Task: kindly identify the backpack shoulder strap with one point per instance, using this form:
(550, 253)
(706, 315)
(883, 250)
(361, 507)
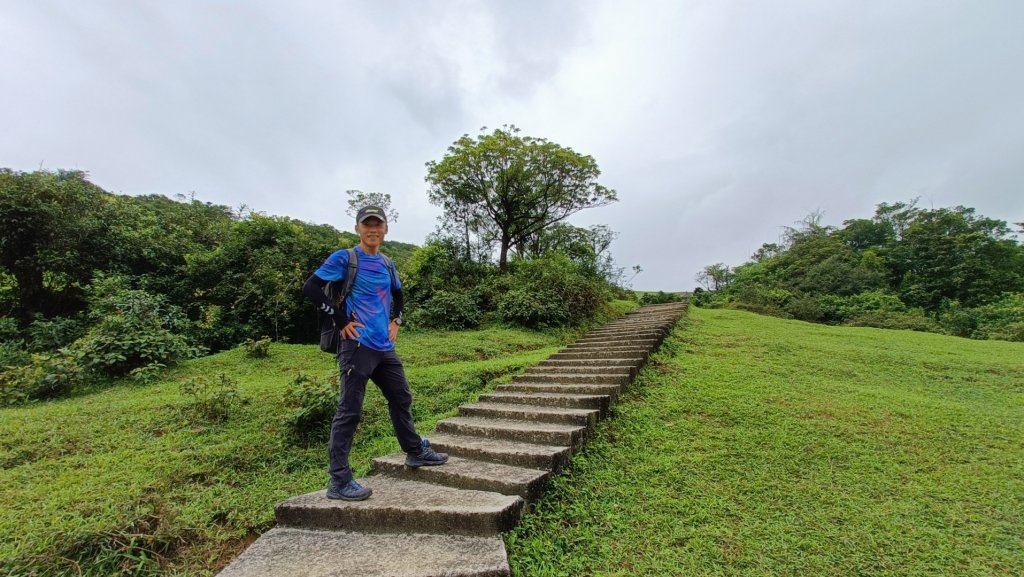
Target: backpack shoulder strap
(350, 274)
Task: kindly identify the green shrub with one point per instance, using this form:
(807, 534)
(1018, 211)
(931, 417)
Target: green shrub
(551, 291)
(210, 400)
(147, 374)
(912, 320)
(313, 403)
(805, 308)
(258, 349)
(46, 376)
(132, 329)
(660, 297)
(532, 309)
(51, 334)
(449, 310)
(8, 329)
(1002, 319)
(13, 354)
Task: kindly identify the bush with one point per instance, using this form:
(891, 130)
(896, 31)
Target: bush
(51, 334)
(313, 403)
(532, 309)
(660, 297)
(1002, 319)
(912, 320)
(132, 329)
(13, 354)
(211, 400)
(551, 291)
(46, 376)
(449, 310)
(259, 349)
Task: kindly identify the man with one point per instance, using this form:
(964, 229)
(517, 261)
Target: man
(369, 325)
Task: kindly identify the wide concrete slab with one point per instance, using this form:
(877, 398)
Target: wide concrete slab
(465, 473)
(287, 552)
(512, 430)
(584, 389)
(599, 402)
(398, 505)
(520, 454)
(533, 413)
(619, 379)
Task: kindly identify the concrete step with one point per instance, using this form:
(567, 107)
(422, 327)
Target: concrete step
(401, 506)
(590, 369)
(611, 343)
(622, 379)
(548, 457)
(641, 329)
(513, 430)
(634, 363)
(567, 400)
(519, 412)
(620, 336)
(288, 552)
(463, 473)
(560, 388)
(636, 354)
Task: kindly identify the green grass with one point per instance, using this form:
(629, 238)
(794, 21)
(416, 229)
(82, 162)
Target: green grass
(121, 481)
(760, 446)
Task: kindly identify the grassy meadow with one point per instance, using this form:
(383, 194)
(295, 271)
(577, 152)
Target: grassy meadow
(760, 446)
(123, 481)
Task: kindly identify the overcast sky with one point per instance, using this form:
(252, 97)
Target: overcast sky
(717, 122)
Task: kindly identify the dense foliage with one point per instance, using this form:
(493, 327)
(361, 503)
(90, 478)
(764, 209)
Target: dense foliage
(941, 270)
(97, 284)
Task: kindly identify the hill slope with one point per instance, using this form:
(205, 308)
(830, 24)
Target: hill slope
(760, 446)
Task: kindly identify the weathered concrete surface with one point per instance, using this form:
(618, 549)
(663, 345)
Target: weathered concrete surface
(620, 379)
(584, 389)
(634, 363)
(404, 506)
(599, 402)
(589, 369)
(540, 433)
(520, 454)
(286, 552)
(469, 474)
(540, 414)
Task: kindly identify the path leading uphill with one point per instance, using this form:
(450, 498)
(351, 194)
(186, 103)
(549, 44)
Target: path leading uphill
(448, 520)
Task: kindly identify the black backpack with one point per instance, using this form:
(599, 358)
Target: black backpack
(330, 340)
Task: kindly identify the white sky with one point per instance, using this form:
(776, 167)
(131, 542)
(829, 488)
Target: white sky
(717, 122)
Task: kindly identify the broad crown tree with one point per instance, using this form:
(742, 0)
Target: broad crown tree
(513, 186)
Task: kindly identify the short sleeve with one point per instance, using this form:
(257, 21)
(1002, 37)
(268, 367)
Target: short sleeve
(335, 267)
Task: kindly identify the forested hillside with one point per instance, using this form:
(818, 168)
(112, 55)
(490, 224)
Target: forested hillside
(947, 270)
(96, 285)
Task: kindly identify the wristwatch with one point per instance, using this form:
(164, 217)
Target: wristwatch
(397, 321)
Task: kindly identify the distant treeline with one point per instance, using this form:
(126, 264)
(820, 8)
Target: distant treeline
(945, 270)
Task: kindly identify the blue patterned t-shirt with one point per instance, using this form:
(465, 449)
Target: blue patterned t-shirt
(370, 300)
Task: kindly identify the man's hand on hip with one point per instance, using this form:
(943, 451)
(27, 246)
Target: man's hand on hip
(393, 331)
(349, 331)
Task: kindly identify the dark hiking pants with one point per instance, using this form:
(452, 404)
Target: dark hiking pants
(359, 363)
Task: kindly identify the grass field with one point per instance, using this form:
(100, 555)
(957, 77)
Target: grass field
(760, 446)
(121, 481)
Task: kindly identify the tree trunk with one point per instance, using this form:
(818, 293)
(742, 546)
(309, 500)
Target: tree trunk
(503, 258)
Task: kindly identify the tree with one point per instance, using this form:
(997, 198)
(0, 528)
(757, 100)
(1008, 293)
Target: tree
(519, 184)
(715, 276)
(358, 199)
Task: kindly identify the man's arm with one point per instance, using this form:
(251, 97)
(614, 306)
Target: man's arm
(314, 291)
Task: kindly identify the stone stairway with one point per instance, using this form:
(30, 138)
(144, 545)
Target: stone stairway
(448, 520)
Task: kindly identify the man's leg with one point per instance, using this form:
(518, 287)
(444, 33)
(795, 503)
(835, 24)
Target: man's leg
(354, 372)
(389, 376)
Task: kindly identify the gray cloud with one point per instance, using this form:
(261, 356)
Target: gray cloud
(718, 123)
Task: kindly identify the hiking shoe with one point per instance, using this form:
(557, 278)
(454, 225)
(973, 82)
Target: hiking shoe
(350, 491)
(425, 456)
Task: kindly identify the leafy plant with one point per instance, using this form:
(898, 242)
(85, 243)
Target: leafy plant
(313, 403)
(258, 349)
(46, 376)
(211, 399)
(449, 310)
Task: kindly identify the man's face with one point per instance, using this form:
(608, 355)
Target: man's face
(371, 231)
